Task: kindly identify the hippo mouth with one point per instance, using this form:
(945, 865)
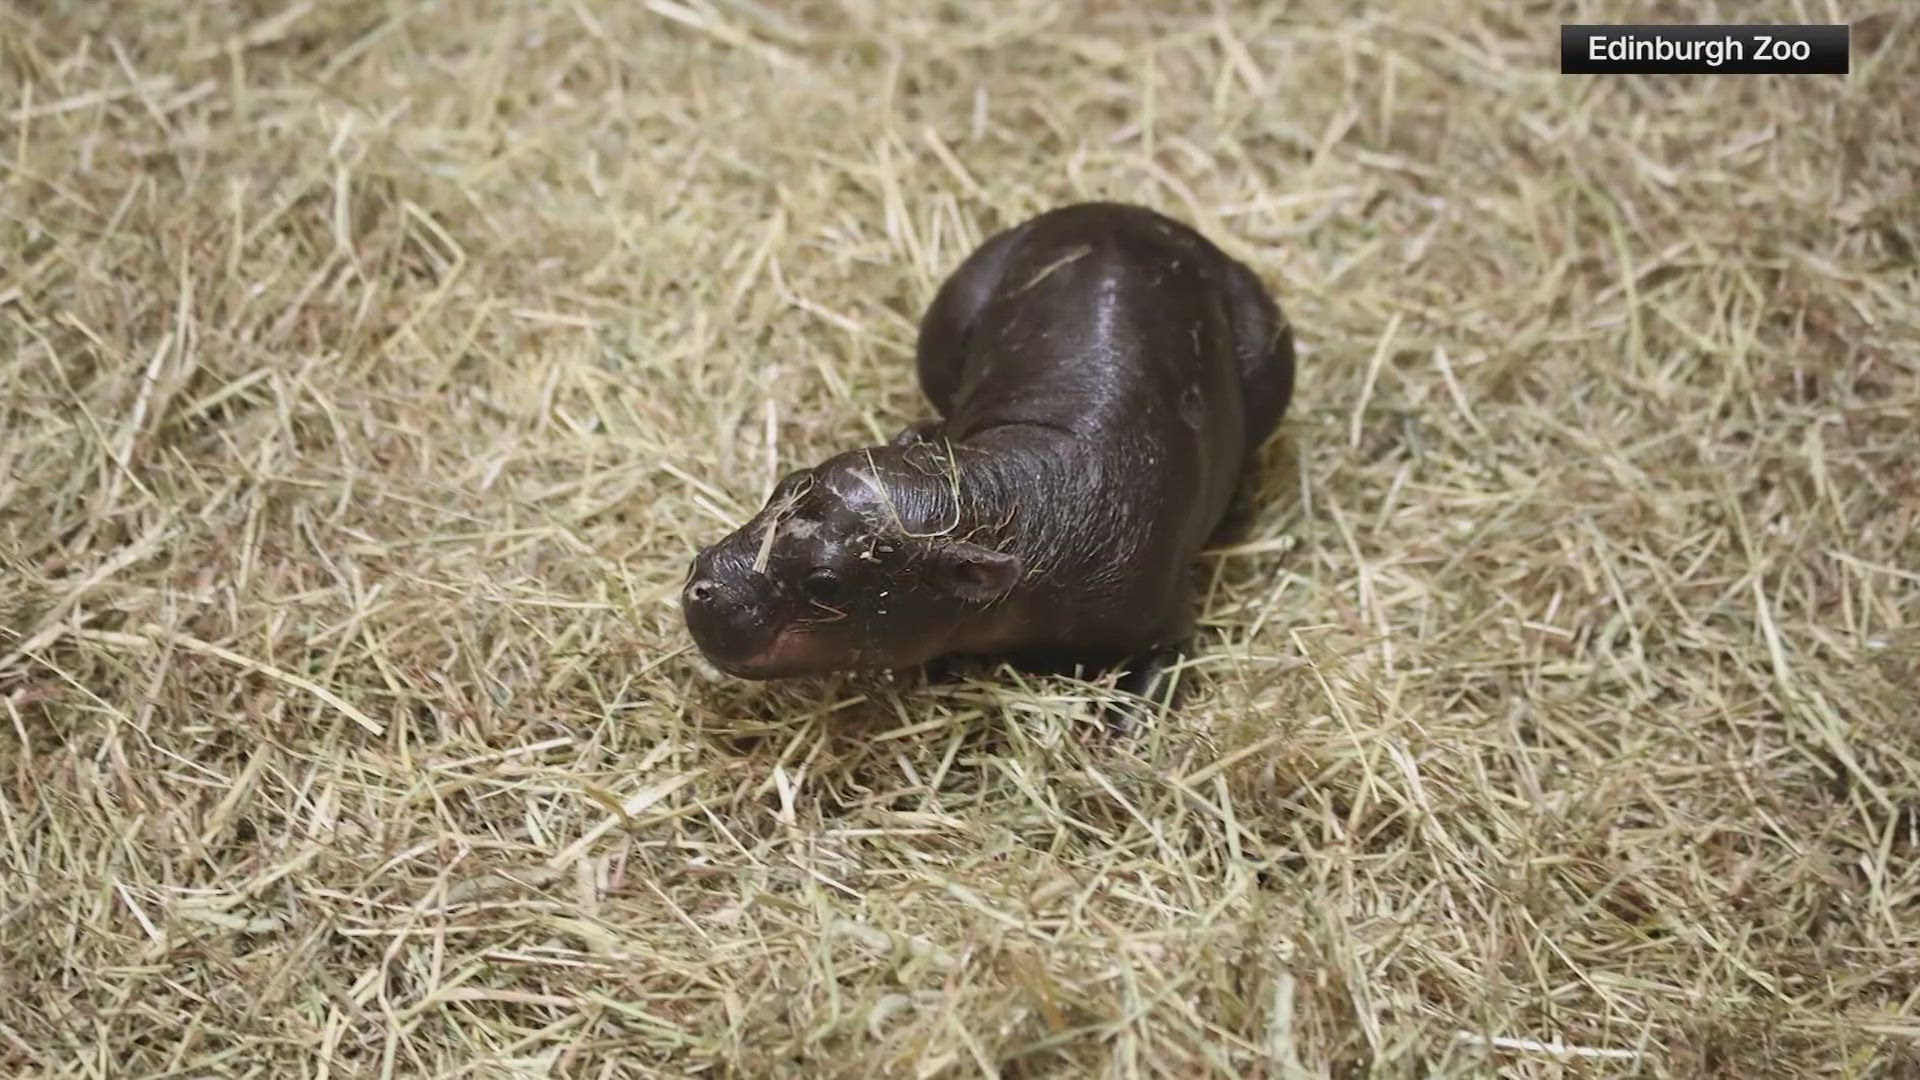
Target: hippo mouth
(792, 652)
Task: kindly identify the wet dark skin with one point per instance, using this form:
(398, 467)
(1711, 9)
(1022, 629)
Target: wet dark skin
(1102, 375)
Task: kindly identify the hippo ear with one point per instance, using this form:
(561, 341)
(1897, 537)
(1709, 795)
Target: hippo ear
(972, 572)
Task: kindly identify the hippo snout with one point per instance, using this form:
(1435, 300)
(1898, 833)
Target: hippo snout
(726, 615)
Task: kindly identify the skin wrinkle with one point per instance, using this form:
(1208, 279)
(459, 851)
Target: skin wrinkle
(1033, 481)
(1010, 489)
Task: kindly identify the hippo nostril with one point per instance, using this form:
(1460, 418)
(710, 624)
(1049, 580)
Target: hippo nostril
(700, 591)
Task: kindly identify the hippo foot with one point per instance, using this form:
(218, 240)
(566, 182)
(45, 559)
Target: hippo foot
(1153, 688)
(942, 670)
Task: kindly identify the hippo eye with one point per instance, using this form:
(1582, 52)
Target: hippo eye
(822, 584)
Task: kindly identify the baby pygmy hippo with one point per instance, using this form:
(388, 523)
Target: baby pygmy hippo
(1103, 373)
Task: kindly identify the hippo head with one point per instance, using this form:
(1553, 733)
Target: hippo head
(858, 563)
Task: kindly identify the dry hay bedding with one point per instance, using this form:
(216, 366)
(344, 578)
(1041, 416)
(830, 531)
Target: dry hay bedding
(371, 369)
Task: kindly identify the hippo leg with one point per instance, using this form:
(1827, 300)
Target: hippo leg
(1263, 348)
(1149, 678)
(946, 330)
(1148, 681)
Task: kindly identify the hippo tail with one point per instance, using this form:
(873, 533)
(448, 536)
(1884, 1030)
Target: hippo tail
(1263, 346)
